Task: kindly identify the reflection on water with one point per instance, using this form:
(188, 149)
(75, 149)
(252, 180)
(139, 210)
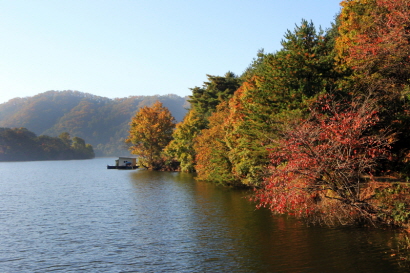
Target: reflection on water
(77, 216)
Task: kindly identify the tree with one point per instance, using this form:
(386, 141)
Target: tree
(66, 138)
(81, 149)
(374, 40)
(21, 144)
(212, 162)
(218, 89)
(18, 144)
(150, 132)
(181, 148)
(317, 169)
(54, 148)
(204, 101)
(280, 89)
(374, 44)
(247, 128)
(276, 88)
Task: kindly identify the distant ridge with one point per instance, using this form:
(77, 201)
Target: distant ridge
(100, 120)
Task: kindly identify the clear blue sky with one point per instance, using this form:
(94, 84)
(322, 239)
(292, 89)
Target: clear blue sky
(121, 48)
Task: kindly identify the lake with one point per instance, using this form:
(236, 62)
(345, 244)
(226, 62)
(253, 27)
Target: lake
(77, 216)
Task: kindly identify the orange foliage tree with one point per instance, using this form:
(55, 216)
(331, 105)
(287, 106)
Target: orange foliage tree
(212, 162)
(150, 132)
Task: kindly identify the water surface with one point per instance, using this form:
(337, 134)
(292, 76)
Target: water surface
(73, 216)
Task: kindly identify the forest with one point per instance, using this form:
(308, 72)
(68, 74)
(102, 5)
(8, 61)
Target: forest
(20, 144)
(103, 122)
(318, 129)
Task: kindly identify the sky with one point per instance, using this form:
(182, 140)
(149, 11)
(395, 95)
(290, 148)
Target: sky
(121, 48)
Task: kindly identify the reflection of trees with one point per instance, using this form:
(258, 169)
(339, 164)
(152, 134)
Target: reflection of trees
(217, 226)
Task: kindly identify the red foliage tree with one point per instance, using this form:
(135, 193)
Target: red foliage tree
(374, 42)
(374, 39)
(318, 166)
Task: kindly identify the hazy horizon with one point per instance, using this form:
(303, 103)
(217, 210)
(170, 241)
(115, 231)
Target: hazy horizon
(142, 95)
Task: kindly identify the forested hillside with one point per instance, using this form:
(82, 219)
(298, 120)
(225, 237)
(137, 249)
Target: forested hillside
(20, 144)
(103, 122)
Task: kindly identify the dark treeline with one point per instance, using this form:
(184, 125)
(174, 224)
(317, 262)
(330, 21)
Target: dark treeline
(20, 144)
(313, 126)
(103, 122)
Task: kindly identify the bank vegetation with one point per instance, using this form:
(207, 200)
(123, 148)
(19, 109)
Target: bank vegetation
(319, 129)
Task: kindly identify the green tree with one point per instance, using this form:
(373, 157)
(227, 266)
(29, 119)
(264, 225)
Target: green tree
(54, 148)
(205, 99)
(78, 143)
(81, 149)
(66, 138)
(18, 144)
(181, 148)
(150, 132)
(278, 88)
(21, 144)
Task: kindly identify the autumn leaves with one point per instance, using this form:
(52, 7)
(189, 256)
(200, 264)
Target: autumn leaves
(304, 125)
(150, 132)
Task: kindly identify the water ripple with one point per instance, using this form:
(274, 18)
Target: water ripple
(73, 216)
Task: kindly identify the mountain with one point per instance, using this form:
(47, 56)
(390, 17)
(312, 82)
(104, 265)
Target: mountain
(103, 122)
